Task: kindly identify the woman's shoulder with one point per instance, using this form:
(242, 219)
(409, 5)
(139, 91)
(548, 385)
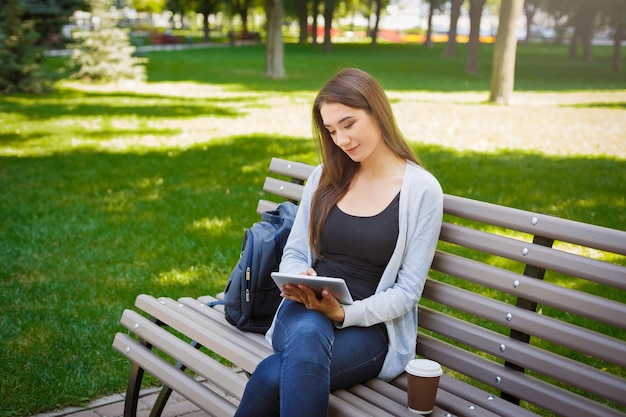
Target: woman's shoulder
(418, 174)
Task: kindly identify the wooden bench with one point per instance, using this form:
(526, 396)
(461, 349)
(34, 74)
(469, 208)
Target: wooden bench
(526, 312)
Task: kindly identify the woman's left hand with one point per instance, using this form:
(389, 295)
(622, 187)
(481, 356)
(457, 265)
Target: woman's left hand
(327, 305)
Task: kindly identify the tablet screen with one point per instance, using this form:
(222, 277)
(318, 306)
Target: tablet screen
(337, 286)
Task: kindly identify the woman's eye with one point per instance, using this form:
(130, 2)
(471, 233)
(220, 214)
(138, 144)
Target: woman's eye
(331, 132)
(348, 126)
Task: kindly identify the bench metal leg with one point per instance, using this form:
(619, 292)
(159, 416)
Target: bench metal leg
(132, 391)
(165, 393)
(537, 273)
(134, 383)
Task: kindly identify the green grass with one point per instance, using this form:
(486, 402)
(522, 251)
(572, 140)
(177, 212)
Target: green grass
(98, 205)
(397, 67)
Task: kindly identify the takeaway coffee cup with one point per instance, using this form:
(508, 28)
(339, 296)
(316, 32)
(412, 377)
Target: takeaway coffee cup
(423, 381)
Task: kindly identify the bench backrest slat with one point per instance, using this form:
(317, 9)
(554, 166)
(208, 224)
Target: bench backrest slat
(537, 224)
(519, 384)
(284, 189)
(514, 351)
(296, 170)
(565, 334)
(537, 255)
(577, 302)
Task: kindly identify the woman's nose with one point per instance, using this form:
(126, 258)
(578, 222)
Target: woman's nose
(341, 138)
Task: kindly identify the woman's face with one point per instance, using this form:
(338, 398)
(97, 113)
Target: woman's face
(355, 131)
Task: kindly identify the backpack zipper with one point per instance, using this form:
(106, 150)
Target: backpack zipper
(247, 284)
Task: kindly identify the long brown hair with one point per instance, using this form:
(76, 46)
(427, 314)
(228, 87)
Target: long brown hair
(359, 90)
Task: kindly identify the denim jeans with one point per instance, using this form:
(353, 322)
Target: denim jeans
(311, 358)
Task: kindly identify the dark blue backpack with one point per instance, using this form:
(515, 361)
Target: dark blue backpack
(251, 297)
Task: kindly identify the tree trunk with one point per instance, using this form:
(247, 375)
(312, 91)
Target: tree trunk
(503, 71)
(428, 42)
(617, 45)
(573, 43)
(329, 9)
(316, 13)
(451, 45)
(303, 19)
(472, 59)
(379, 6)
(274, 55)
(205, 27)
(586, 38)
(529, 11)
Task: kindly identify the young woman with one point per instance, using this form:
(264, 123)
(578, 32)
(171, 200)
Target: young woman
(371, 215)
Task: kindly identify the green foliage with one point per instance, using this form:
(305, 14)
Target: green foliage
(20, 69)
(105, 53)
(48, 17)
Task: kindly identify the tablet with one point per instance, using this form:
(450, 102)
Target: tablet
(337, 286)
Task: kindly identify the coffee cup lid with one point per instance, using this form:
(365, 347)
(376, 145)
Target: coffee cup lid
(424, 367)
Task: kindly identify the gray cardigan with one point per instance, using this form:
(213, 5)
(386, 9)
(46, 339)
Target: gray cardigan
(400, 287)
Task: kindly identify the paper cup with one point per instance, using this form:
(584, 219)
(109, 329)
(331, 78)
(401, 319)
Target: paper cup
(423, 381)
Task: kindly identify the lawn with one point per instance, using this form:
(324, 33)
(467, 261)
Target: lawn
(108, 193)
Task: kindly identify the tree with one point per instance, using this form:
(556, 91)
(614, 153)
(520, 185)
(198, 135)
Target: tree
(615, 16)
(503, 71)
(274, 55)
(20, 57)
(47, 16)
(451, 45)
(301, 6)
(530, 9)
(241, 8)
(329, 10)
(374, 31)
(432, 6)
(203, 7)
(472, 59)
(315, 13)
(105, 52)
(584, 23)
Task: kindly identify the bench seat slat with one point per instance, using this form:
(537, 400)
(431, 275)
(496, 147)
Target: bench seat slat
(537, 224)
(559, 332)
(527, 356)
(538, 255)
(203, 331)
(577, 302)
(513, 382)
(184, 353)
(446, 400)
(364, 406)
(486, 400)
(209, 401)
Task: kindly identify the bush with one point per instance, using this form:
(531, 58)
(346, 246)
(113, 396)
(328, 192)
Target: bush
(105, 53)
(20, 58)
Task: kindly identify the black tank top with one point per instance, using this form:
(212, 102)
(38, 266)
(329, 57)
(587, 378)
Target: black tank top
(359, 248)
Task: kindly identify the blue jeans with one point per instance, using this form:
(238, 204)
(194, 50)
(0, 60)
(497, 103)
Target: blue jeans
(311, 358)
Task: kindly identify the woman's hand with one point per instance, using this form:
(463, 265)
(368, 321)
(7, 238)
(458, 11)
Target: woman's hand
(327, 305)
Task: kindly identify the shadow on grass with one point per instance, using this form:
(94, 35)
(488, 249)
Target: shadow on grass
(69, 102)
(610, 105)
(84, 232)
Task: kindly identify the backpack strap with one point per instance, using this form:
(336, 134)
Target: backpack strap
(215, 303)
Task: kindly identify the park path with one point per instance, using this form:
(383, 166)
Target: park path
(565, 124)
